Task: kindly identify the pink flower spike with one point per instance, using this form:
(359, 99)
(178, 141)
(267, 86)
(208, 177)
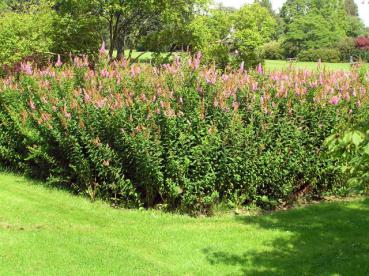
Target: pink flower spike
(197, 61)
(242, 66)
(225, 77)
(260, 69)
(104, 73)
(102, 49)
(335, 100)
(32, 105)
(58, 62)
(26, 68)
(133, 71)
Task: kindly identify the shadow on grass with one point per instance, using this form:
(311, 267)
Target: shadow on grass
(326, 239)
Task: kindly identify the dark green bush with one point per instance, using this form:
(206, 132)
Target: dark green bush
(24, 36)
(352, 146)
(326, 55)
(273, 50)
(361, 55)
(346, 47)
(41, 32)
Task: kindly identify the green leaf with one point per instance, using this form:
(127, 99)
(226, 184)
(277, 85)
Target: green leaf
(366, 149)
(357, 138)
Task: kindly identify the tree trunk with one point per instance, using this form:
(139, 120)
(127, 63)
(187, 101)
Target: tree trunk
(113, 34)
(120, 48)
(111, 47)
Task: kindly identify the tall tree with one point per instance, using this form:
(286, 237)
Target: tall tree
(129, 20)
(221, 7)
(254, 26)
(76, 27)
(310, 32)
(24, 33)
(330, 9)
(318, 23)
(355, 26)
(351, 8)
(266, 4)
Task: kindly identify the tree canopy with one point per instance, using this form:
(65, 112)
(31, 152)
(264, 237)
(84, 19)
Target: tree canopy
(224, 35)
(312, 24)
(129, 20)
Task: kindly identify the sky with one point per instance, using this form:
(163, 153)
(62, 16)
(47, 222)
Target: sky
(363, 8)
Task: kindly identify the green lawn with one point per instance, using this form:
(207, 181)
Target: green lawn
(143, 56)
(271, 65)
(49, 232)
(277, 65)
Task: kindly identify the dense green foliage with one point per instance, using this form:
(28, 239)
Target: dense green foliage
(183, 136)
(136, 23)
(310, 32)
(351, 8)
(76, 30)
(225, 36)
(48, 232)
(211, 36)
(323, 54)
(353, 146)
(350, 49)
(273, 50)
(43, 29)
(315, 24)
(254, 26)
(231, 37)
(39, 30)
(24, 36)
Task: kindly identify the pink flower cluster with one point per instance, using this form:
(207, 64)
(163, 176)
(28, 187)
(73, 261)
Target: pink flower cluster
(163, 90)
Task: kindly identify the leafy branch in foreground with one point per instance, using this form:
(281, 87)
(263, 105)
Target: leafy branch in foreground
(353, 148)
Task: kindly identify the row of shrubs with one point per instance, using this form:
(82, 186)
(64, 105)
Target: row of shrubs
(348, 49)
(181, 136)
(334, 55)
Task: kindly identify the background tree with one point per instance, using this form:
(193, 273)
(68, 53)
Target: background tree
(211, 34)
(76, 28)
(312, 24)
(280, 22)
(355, 26)
(254, 26)
(172, 32)
(25, 33)
(266, 4)
(351, 8)
(292, 9)
(310, 32)
(221, 7)
(130, 20)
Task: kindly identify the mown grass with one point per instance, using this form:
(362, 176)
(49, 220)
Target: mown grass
(271, 65)
(142, 56)
(277, 65)
(49, 232)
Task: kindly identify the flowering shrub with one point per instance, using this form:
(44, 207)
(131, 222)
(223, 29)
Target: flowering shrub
(180, 135)
(362, 42)
(361, 51)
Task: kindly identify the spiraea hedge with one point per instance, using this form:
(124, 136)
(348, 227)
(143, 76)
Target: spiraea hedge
(182, 136)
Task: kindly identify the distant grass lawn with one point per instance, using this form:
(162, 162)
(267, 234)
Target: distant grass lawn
(270, 65)
(143, 56)
(49, 232)
(276, 65)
